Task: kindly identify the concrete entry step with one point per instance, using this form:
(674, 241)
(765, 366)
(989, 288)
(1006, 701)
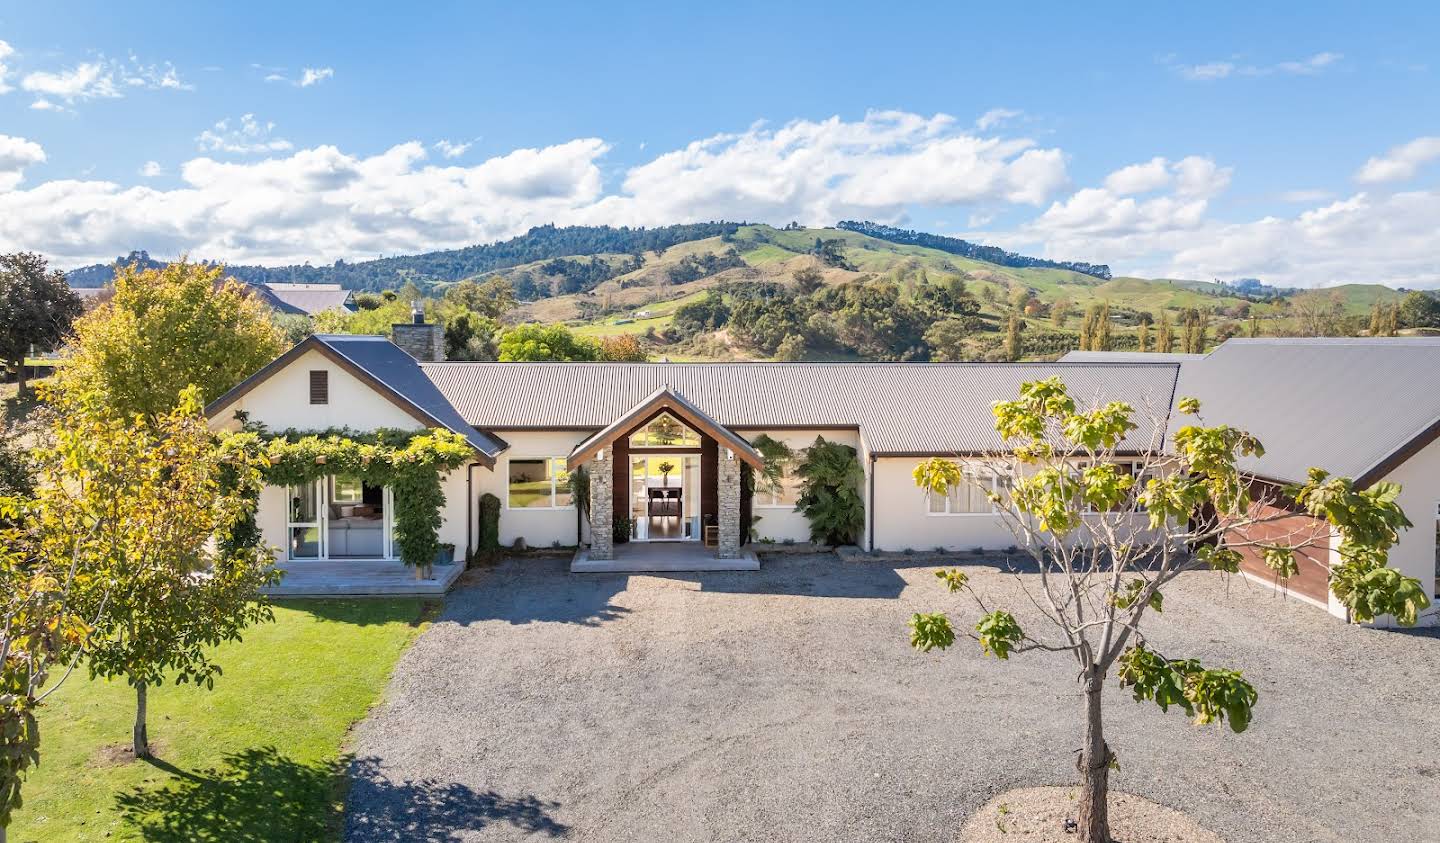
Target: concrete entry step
(661, 557)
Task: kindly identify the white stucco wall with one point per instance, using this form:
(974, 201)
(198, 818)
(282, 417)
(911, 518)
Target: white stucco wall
(902, 522)
(539, 527)
(783, 523)
(1414, 555)
(283, 402)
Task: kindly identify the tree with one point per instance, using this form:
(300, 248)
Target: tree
(623, 348)
(1164, 335)
(166, 329)
(470, 336)
(1318, 314)
(1060, 312)
(1109, 534)
(791, 349)
(1384, 319)
(534, 343)
(491, 298)
(37, 308)
(151, 512)
(1101, 339)
(947, 340)
(1014, 344)
(830, 479)
(1142, 337)
(1419, 310)
(807, 280)
(39, 632)
(1019, 298)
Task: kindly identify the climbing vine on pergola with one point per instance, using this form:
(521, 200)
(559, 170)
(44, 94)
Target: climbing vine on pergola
(409, 462)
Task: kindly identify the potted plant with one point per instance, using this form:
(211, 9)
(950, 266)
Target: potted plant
(666, 468)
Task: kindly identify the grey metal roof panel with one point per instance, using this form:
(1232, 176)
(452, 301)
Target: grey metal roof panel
(387, 363)
(900, 407)
(307, 301)
(1344, 405)
(1127, 357)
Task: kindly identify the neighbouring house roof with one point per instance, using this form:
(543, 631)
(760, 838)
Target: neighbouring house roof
(1355, 407)
(307, 299)
(391, 372)
(667, 399)
(899, 408)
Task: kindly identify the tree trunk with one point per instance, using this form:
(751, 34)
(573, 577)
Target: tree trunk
(19, 366)
(2, 834)
(1094, 766)
(142, 741)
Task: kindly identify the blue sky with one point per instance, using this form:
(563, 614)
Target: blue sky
(1223, 140)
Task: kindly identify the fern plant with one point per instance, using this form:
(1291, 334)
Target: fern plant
(830, 479)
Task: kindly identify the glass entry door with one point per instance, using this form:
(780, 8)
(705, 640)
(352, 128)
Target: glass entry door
(665, 497)
(340, 518)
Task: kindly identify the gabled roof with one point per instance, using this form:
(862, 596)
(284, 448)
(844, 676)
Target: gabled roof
(392, 373)
(1355, 407)
(288, 299)
(901, 408)
(667, 399)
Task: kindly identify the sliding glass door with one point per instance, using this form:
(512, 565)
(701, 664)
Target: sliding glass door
(340, 517)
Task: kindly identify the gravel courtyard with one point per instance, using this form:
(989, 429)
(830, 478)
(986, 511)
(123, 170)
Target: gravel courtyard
(787, 705)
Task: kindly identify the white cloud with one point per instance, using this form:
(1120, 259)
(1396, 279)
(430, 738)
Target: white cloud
(1400, 163)
(1139, 178)
(996, 117)
(15, 155)
(321, 204)
(1306, 195)
(6, 51)
(99, 79)
(151, 169)
(250, 136)
(1224, 69)
(452, 150)
(313, 75)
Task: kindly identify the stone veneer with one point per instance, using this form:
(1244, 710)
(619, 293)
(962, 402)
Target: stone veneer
(602, 506)
(729, 505)
(425, 342)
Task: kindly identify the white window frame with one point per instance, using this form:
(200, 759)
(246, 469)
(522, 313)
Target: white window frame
(549, 463)
(969, 476)
(319, 524)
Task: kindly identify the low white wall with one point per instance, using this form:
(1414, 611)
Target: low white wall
(539, 527)
(1414, 555)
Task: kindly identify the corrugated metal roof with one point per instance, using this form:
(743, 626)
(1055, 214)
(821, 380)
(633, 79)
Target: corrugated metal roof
(899, 407)
(387, 363)
(1341, 404)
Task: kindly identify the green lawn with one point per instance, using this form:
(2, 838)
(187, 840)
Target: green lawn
(258, 758)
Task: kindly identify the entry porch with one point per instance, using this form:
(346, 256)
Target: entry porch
(662, 557)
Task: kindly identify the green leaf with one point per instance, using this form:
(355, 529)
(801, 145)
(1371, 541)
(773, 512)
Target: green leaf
(999, 634)
(928, 631)
(954, 578)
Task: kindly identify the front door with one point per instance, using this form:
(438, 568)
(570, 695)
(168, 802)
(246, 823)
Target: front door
(664, 496)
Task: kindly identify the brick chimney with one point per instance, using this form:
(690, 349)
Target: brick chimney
(419, 339)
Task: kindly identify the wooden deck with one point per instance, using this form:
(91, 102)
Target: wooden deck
(661, 557)
(359, 578)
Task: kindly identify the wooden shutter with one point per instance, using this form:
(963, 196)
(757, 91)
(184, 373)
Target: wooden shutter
(319, 387)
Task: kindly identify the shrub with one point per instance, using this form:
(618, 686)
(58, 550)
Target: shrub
(489, 523)
(830, 492)
(623, 526)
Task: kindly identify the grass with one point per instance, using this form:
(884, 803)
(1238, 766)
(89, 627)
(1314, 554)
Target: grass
(260, 757)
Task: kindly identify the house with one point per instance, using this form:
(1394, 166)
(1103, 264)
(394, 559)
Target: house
(664, 443)
(307, 299)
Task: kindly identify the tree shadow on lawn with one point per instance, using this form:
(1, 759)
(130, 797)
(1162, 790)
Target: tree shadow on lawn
(259, 795)
(365, 611)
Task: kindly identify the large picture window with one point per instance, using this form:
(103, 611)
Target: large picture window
(539, 483)
(968, 497)
(339, 517)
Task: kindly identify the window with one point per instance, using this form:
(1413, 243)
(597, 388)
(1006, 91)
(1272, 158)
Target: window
(782, 498)
(968, 497)
(304, 521)
(665, 431)
(319, 387)
(539, 483)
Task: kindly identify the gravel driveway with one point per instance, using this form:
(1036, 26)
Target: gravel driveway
(787, 705)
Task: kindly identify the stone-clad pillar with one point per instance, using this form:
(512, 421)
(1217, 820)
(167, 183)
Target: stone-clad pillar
(728, 501)
(602, 507)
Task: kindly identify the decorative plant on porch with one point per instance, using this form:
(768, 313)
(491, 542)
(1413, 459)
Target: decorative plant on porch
(830, 478)
(1107, 547)
(410, 462)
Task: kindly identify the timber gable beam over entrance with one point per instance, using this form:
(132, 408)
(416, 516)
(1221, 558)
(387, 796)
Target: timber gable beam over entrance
(666, 399)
